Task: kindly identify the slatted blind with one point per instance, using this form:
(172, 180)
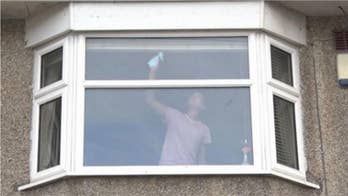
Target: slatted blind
(285, 130)
(281, 65)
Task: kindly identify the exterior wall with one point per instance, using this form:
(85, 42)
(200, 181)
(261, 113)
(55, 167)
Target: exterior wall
(328, 121)
(326, 126)
(16, 99)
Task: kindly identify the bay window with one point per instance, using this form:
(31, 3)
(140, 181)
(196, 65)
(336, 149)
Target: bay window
(167, 104)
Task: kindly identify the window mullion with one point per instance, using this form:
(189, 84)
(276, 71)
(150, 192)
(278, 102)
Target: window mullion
(78, 134)
(265, 114)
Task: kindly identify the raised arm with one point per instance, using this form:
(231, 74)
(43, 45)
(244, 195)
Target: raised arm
(151, 97)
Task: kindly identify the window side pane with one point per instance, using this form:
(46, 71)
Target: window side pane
(49, 134)
(176, 58)
(51, 67)
(285, 130)
(281, 65)
(123, 127)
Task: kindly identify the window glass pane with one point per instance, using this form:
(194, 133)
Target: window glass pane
(167, 127)
(176, 58)
(281, 65)
(285, 129)
(49, 134)
(51, 67)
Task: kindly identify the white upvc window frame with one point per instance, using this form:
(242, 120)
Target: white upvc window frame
(292, 94)
(260, 83)
(44, 95)
(119, 84)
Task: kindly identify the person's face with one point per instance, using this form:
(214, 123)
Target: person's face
(196, 101)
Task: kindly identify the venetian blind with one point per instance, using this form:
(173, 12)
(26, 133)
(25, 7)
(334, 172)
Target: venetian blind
(285, 130)
(281, 65)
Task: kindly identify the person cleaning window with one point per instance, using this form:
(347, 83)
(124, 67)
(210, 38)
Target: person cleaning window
(186, 136)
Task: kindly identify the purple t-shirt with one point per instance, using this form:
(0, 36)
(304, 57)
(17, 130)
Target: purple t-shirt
(184, 139)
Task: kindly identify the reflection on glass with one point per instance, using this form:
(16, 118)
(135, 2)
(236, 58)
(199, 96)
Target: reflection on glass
(181, 58)
(49, 134)
(186, 126)
(51, 67)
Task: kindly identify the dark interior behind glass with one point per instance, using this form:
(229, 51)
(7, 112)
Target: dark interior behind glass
(49, 134)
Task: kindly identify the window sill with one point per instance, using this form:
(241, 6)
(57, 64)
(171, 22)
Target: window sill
(41, 182)
(62, 175)
(299, 181)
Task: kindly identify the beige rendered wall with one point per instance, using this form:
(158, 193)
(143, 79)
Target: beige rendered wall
(326, 131)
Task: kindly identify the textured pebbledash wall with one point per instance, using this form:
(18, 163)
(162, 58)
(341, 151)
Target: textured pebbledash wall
(325, 120)
(16, 99)
(332, 101)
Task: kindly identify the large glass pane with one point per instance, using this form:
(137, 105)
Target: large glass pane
(285, 130)
(176, 58)
(167, 127)
(51, 67)
(281, 65)
(49, 134)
